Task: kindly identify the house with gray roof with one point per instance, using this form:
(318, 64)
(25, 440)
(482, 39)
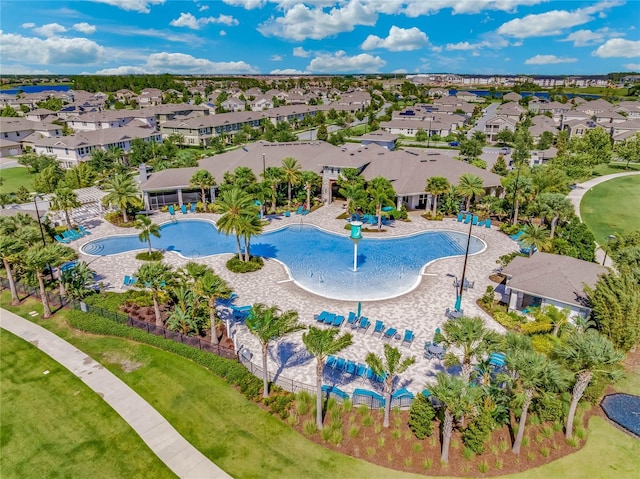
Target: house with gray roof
(546, 278)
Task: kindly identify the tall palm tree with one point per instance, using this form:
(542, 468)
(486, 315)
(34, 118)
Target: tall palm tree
(535, 236)
(470, 186)
(76, 281)
(380, 193)
(204, 180)
(310, 179)
(64, 199)
(233, 204)
(555, 206)
(291, 174)
(250, 225)
(535, 374)
(268, 324)
(273, 178)
(122, 191)
(471, 338)
(354, 194)
(457, 399)
(389, 368)
(147, 229)
(154, 275)
(519, 188)
(61, 256)
(10, 250)
(210, 286)
(322, 343)
(437, 185)
(587, 355)
(36, 259)
(556, 316)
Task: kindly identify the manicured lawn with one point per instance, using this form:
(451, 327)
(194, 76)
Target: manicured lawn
(14, 178)
(52, 425)
(611, 168)
(248, 442)
(612, 207)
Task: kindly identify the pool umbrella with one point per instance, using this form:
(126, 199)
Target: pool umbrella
(458, 302)
(359, 309)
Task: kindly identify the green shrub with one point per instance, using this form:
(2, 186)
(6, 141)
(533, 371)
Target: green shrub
(487, 297)
(236, 265)
(467, 453)
(140, 297)
(510, 229)
(115, 218)
(280, 404)
(544, 344)
(595, 389)
(548, 408)
(536, 327)
(310, 427)
(427, 464)
(109, 301)
(483, 467)
(146, 256)
(421, 414)
(508, 320)
(354, 431)
(477, 432)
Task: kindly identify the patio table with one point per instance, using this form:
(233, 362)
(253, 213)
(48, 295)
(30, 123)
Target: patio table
(435, 349)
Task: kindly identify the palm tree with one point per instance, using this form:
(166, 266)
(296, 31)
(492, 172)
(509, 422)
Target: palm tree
(586, 355)
(556, 316)
(65, 199)
(62, 255)
(471, 337)
(147, 229)
(154, 276)
(389, 368)
(322, 343)
(273, 178)
(121, 191)
(555, 206)
(354, 194)
(10, 249)
(535, 236)
(36, 259)
(250, 225)
(437, 185)
(535, 374)
(457, 399)
(291, 174)
(519, 188)
(210, 286)
(77, 279)
(233, 204)
(204, 180)
(470, 186)
(268, 324)
(310, 179)
(380, 192)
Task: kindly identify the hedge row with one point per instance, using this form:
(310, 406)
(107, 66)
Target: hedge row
(227, 369)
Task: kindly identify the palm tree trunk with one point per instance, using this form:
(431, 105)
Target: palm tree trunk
(124, 215)
(465, 373)
(149, 243)
(273, 201)
(12, 284)
(308, 197)
(379, 214)
(156, 307)
(582, 381)
(447, 427)
(46, 310)
(66, 214)
(467, 203)
(515, 213)
(523, 419)
(319, 368)
(247, 253)
(435, 205)
(239, 247)
(289, 194)
(204, 197)
(265, 372)
(554, 222)
(212, 319)
(387, 396)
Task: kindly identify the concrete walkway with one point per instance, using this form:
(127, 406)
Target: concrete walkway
(172, 449)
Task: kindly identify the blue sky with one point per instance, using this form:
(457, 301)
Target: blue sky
(543, 37)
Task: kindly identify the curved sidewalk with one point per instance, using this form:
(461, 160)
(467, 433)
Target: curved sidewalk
(165, 442)
(575, 196)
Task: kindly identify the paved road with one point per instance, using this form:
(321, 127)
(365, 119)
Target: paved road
(170, 447)
(488, 114)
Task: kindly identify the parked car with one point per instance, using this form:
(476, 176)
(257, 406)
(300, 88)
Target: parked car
(505, 151)
(453, 143)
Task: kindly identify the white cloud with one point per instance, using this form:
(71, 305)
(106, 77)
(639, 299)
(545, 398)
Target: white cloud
(247, 4)
(618, 47)
(301, 52)
(50, 51)
(492, 43)
(399, 39)
(181, 62)
(223, 33)
(463, 46)
(286, 71)
(632, 66)
(302, 22)
(548, 60)
(339, 62)
(276, 58)
(28, 25)
(400, 70)
(416, 8)
(583, 38)
(50, 30)
(141, 6)
(123, 70)
(22, 70)
(189, 21)
(85, 28)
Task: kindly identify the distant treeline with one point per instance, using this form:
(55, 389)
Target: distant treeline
(135, 83)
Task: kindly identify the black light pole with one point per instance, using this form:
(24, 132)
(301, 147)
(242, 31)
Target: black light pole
(429, 135)
(35, 202)
(263, 166)
(611, 237)
(515, 194)
(464, 267)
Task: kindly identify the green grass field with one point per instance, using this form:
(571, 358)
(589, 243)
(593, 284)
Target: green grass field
(14, 178)
(612, 207)
(52, 425)
(249, 443)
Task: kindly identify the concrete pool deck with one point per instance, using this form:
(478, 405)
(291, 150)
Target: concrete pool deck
(421, 310)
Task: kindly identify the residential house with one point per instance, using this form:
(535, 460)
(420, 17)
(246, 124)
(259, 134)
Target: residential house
(594, 107)
(578, 128)
(233, 104)
(540, 124)
(512, 96)
(150, 96)
(511, 110)
(623, 131)
(497, 124)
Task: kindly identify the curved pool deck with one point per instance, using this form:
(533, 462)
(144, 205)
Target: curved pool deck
(421, 309)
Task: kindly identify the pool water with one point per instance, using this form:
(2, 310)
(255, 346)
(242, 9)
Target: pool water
(317, 261)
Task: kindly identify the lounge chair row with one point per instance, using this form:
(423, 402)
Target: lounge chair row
(473, 219)
(131, 280)
(392, 333)
(301, 211)
(183, 208)
(70, 235)
(363, 324)
(353, 368)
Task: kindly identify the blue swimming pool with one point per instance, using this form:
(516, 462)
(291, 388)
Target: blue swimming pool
(318, 261)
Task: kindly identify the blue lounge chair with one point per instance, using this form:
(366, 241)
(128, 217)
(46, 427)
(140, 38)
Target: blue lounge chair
(127, 281)
(193, 208)
(83, 230)
(328, 319)
(305, 212)
(378, 328)
(467, 219)
(66, 235)
(516, 236)
(460, 217)
(172, 210)
(408, 337)
(487, 223)
(331, 362)
(183, 208)
(352, 319)
(287, 214)
(361, 370)
(299, 210)
(133, 280)
(75, 234)
(340, 364)
(320, 317)
(60, 239)
(475, 220)
(481, 223)
(337, 322)
(390, 333)
(365, 323)
(350, 367)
